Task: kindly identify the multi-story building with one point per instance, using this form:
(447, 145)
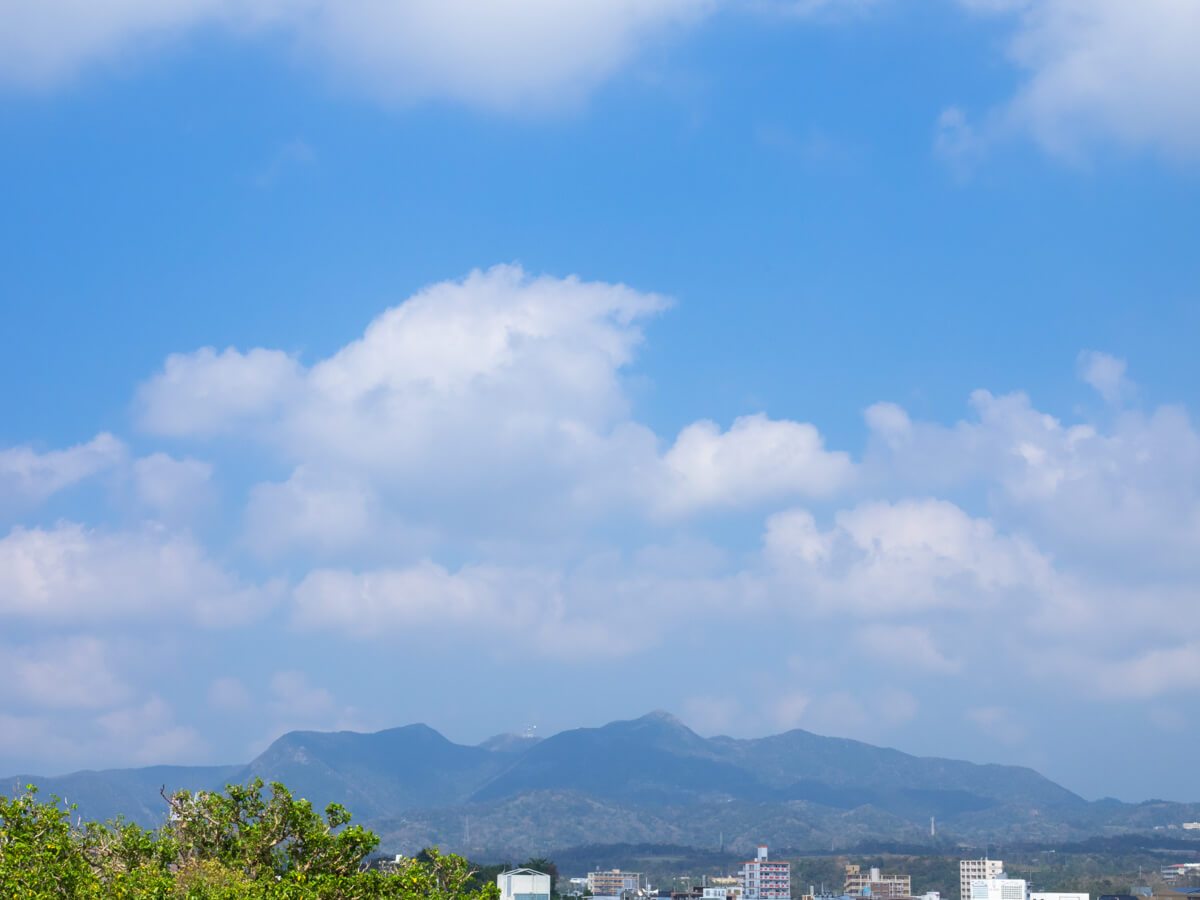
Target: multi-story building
(1179, 872)
(523, 884)
(763, 879)
(614, 883)
(1040, 895)
(974, 869)
(999, 889)
(875, 883)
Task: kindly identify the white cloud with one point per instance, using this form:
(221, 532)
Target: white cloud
(523, 359)
(71, 574)
(1170, 668)
(911, 645)
(149, 733)
(296, 704)
(170, 486)
(144, 732)
(1107, 71)
(205, 393)
(505, 54)
(1126, 497)
(1106, 374)
(476, 406)
(429, 598)
(309, 512)
(73, 672)
(29, 476)
(907, 557)
(756, 459)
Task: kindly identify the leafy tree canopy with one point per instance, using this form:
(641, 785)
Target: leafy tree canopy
(243, 844)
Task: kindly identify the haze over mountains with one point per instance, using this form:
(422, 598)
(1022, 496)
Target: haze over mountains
(651, 779)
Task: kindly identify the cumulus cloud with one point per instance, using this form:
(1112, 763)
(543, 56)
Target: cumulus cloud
(505, 54)
(71, 672)
(205, 393)
(70, 573)
(755, 459)
(29, 476)
(475, 405)
(1106, 374)
(1105, 71)
(528, 601)
(143, 732)
(310, 512)
(150, 732)
(523, 358)
(1125, 496)
(170, 486)
(907, 557)
(1164, 670)
(911, 645)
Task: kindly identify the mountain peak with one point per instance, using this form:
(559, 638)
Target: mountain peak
(661, 715)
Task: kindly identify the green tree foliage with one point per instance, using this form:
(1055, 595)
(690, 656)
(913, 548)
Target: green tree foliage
(243, 844)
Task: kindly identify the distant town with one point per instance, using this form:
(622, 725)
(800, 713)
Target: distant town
(764, 878)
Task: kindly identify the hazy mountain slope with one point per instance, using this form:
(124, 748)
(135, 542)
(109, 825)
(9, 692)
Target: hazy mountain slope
(133, 793)
(377, 774)
(650, 778)
(652, 760)
(846, 773)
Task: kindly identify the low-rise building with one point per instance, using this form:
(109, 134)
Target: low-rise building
(875, 883)
(614, 883)
(523, 884)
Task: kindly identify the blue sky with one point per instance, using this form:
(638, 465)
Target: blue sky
(781, 364)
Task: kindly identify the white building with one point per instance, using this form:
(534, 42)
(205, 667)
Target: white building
(763, 879)
(999, 889)
(974, 869)
(1038, 895)
(523, 884)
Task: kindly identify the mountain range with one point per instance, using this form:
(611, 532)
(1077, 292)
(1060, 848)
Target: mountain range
(650, 779)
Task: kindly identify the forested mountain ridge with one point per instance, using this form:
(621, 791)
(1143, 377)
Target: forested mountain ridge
(650, 778)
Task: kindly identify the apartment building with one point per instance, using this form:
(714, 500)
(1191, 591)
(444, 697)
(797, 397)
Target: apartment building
(974, 870)
(999, 889)
(614, 883)
(875, 883)
(764, 879)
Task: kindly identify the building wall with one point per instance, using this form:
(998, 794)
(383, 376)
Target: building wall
(517, 885)
(613, 882)
(879, 884)
(764, 880)
(973, 869)
(999, 889)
